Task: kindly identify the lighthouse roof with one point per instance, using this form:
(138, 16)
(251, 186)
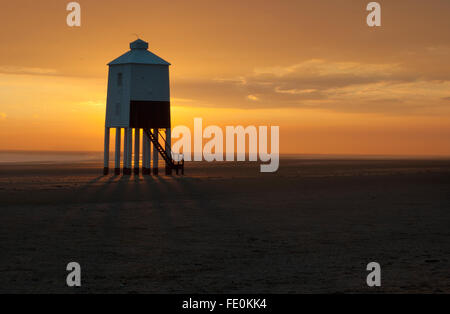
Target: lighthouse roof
(139, 54)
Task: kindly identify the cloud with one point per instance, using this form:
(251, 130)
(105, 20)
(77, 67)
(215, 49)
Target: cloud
(439, 50)
(316, 83)
(27, 70)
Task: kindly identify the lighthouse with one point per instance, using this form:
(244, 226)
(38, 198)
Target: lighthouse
(138, 104)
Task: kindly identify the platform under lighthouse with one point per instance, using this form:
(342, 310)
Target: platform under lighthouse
(138, 104)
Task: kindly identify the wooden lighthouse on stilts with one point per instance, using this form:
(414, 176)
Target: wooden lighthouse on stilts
(138, 103)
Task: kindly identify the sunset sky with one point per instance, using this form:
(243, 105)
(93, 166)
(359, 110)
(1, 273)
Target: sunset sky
(332, 84)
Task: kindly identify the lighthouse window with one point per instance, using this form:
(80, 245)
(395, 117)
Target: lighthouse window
(119, 79)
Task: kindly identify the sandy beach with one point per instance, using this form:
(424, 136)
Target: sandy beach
(312, 227)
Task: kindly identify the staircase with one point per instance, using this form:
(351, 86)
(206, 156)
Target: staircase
(166, 155)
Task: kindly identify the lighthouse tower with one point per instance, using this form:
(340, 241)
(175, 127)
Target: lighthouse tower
(138, 102)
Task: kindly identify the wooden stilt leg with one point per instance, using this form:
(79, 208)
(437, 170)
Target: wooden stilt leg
(106, 153)
(117, 152)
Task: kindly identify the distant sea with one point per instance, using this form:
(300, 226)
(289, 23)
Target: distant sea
(43, 157)
(48, 156)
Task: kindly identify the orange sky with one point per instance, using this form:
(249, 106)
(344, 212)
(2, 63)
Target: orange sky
(332, 84)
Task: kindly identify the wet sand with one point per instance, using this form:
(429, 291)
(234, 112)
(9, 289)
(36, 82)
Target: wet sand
(226, 228)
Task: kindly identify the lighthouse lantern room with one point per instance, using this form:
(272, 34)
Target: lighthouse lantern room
(138, 102)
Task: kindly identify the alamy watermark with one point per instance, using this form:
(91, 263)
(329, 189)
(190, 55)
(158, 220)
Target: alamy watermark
(374, 277)
(74, 17)
(234, 146)
(374, 17)
(73, 279)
